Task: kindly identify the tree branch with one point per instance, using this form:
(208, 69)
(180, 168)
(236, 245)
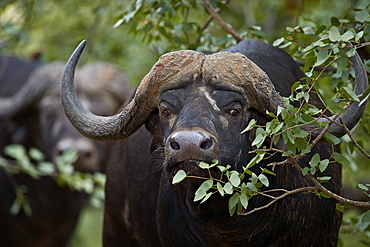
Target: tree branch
(354, 141)
(328, 192)
(220, 21)
(278, 198)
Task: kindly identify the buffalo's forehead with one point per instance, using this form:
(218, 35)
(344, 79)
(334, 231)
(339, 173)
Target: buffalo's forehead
(225, 70)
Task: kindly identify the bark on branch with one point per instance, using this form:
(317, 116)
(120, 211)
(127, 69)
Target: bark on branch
(220, 21)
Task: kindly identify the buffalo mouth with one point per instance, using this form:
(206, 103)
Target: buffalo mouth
(192, 168)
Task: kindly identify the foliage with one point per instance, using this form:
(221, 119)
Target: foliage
(314, 32)
(33, 164)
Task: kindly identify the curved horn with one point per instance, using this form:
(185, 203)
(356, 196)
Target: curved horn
(41, 81)
(169, 69)
(239, 72)
(354, 112)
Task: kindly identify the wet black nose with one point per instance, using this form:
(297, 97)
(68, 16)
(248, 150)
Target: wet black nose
(192, 144)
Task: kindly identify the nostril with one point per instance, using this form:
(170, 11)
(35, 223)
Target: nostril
(87, 154)
(206, 144)
(174, 145)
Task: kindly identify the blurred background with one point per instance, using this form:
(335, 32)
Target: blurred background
(52, 29)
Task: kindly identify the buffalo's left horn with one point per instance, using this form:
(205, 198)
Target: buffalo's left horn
(354, 112)
(169, 68)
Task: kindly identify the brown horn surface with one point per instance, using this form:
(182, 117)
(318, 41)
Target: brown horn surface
(238, 71)
(354, 112)
(169, 69)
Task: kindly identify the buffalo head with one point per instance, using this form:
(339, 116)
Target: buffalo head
(195, 105)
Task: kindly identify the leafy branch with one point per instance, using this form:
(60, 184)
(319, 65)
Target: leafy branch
(33, 163)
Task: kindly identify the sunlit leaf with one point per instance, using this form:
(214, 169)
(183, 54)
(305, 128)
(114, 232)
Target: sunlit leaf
(234, 179)
(323, 165)
(331, 138)
(323, 179)
(228, 188)
(250, 126)
(366, 217)
(244, 200)
(180, 175)
(334, 34)
(362, 16)
(232, 203)
(264, 180)
(322, 56)
(220, 189)
(341, 159)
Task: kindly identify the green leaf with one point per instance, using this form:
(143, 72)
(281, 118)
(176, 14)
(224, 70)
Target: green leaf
(203, 165)
(359, 35)
(232, 203)
(322, 56)
(323, 165)
(264, 180)
(362, 16)
(228, 188)
(268, 171)
(324, 195)
(202, 190)
(47, 168)
(251, 124)
(334, 34)
(341, 63)
(180, 175)
(278, 42)
(339, 207)
(334, 107)
(363, 187)
(341, 159)
(244, 200)
(332, 138)
(315, 160)
(220, 189)
(351, 94)
(199, 195)
(305, 171)
(36, 154)
(366, 217)
(208, 195)
(255, 160)
(258, 140)
(347, 36)
(323, 179)
(251, 187)
(234, 179)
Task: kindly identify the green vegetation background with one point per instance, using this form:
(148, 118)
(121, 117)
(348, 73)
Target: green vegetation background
(55, 27)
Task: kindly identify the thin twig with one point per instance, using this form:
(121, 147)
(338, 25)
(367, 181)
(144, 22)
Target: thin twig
(220, 21)
(328, 192)
(204, 178)
(278, 198)
(354, 141)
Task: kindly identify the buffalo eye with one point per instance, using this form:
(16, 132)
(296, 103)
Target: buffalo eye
(234, 113)
(165, 112)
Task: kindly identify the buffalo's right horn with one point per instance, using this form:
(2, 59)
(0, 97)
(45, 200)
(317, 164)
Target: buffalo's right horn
(168, 70)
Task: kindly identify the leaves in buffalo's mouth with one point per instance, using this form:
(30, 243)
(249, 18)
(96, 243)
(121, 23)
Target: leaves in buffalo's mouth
(179, 176)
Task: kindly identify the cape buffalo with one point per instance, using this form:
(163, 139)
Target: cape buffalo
(194, 107)
(36, 103)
